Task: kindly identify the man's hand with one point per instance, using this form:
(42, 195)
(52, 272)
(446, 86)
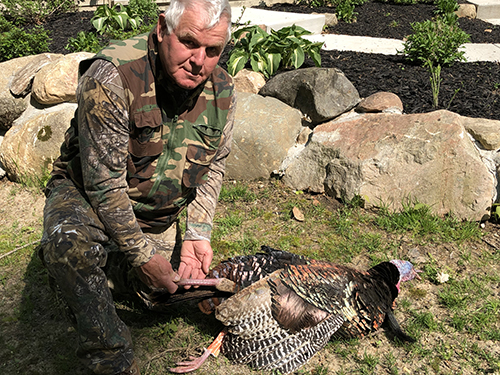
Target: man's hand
(158, 273)
(196, 257)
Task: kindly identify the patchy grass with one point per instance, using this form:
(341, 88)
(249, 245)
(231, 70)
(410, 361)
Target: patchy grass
(456, 323)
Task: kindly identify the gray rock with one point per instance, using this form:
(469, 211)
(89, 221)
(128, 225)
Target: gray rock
(11, 107)
(56, 82)
(320, 93)
(264, 131)
(33, 143)
(391, 159)
(23, 78)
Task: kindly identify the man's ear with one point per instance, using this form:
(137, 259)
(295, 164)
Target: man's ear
(161, 28)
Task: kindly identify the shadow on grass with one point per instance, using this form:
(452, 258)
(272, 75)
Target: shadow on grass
(39, 339)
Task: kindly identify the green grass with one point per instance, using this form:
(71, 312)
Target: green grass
(456, 323)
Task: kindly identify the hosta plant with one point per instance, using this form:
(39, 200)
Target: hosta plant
(108, 19)
(267, 53)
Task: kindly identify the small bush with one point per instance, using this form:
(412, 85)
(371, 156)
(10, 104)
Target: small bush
(19, 43)
(22, 12)
(446, 10)
(345, 11)
(435, 41)
(118, 18)
(88, 42)
(144, 8)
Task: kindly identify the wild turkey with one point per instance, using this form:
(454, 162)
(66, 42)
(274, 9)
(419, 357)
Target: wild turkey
(287, 307)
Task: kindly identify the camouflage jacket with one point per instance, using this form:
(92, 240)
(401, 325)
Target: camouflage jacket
(142, 150)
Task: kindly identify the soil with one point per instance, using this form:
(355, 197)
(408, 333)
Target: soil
(469, 89)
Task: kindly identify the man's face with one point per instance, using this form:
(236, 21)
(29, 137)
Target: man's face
(190, 54)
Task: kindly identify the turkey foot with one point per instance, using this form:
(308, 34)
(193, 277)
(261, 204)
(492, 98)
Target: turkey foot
(196, 362)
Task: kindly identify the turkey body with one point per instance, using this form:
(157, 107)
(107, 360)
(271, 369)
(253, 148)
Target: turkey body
(288, 307)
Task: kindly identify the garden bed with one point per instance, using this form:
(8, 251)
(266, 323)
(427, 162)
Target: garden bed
(469, 89)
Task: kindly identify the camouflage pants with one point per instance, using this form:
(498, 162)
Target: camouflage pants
(88, 269)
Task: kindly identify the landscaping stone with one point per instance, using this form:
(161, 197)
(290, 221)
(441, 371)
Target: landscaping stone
(386, 102)
(248, 81)
(23, 78)
(264, 130)
(56, 82)
(33, 143)
(390, 160)
(319, 93)
(11, 107)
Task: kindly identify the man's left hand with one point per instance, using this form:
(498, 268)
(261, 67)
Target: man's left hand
(196, 257)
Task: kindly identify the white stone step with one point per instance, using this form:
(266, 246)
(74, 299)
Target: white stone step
(277, 20)
(487, 9)
(494, 21)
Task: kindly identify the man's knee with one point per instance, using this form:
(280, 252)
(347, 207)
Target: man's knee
(72, 246)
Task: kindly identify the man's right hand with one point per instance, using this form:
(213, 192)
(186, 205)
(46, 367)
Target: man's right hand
(158, 273)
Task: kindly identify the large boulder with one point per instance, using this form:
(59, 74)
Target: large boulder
(22, 80)
(56, 82)
(11, 107)
(391, 159)
(320, 93)
(264, 131)
(33, 142)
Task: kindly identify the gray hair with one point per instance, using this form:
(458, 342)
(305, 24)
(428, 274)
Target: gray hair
(214, 10)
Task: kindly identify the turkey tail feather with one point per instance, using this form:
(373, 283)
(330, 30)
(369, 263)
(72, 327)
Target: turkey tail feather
(393, 324)
(284, 352)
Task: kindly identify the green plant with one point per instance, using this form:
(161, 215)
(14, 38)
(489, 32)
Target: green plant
(446, 11)
(35, 11)
(18, 43)
(495, 211)
(435, 81)
(119, 17)
(435, 41)
(88, 42)
(345, 11)
(268, 52)
(5, 25)
(144, 8)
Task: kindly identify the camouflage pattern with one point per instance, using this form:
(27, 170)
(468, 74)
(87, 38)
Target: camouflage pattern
(84, 267)
(150, 150)
(138, 151)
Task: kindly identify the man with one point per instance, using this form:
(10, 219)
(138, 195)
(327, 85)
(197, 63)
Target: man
(150, 137)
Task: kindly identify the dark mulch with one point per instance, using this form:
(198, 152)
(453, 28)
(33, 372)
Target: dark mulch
(470, 89)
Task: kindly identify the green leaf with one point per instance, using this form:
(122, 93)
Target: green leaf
(298, 57)
(121, 19)
(258, 63)
(98, 23)
(315, 56)
(237, 61)
(273, 62)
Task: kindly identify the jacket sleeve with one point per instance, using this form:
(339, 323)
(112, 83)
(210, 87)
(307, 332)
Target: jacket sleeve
(201, 210)
(103, 135)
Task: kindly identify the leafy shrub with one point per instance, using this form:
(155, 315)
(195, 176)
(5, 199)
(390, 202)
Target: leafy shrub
(446, 10)
(88, 42)
(119, 17)
(345, 11)
(4, 24)
(268, 52)
(22, 12)
(446, 6)
(144, 8)
(18, 43)
(435, 41)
